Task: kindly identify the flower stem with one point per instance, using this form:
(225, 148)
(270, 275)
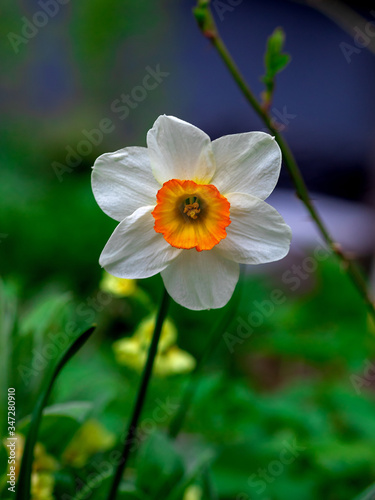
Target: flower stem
(209, 29)
(214, 336)
(146, 376)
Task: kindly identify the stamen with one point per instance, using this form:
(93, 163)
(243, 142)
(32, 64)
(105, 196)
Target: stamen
(192, 209)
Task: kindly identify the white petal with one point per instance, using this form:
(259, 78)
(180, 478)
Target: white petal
(135, 250)
(257, 233)
(201, 280)
(247, 163)
(122, 182)
(178, 150)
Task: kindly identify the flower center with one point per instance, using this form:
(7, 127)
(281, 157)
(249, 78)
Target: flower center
(191, 208)
(191, 215)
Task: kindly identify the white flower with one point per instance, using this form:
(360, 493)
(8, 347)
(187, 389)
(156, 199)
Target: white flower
(191, 209)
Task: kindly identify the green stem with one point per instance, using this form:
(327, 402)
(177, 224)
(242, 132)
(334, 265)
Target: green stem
(218, 328)
(146, 376)
(209, 29)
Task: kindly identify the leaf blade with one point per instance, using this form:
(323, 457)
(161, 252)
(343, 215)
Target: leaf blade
(24, 479)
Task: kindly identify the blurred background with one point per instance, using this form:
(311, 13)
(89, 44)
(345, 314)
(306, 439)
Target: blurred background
(80, 79)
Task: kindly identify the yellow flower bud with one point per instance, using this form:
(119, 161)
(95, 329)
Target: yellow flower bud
(91, 438)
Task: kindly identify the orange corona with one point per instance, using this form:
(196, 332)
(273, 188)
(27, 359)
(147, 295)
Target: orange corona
(191, 215)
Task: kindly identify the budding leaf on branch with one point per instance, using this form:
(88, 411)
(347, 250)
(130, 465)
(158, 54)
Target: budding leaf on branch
(275, 61)
(204, 18)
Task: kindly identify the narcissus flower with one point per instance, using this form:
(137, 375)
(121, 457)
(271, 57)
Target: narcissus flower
(191, 209)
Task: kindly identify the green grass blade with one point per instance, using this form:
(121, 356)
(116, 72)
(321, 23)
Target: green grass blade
(24, 479)
(368, 494)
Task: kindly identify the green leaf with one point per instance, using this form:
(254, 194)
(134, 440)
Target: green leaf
(199, 468)
(160, 467)
(65, 484)
(209, 490)
(204, 18)
(23, 484)
(274, 60)
(47, 313)
(67, 417)
(99, 485)
(130, 492)
(76, 410)
(368, 494)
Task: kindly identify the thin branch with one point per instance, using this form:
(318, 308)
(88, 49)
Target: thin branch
(209, 29)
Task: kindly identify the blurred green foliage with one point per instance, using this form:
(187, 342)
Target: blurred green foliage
(61, 82)
(280, 417)
(296, 381)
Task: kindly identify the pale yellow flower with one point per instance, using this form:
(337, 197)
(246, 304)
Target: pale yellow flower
(42, 484)
(91, 438)
(145, 331)
(42, 460)
(193, 492)
(119, 287)
(170, 359)
(42, 479)
(129, 352)
(173, 361)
